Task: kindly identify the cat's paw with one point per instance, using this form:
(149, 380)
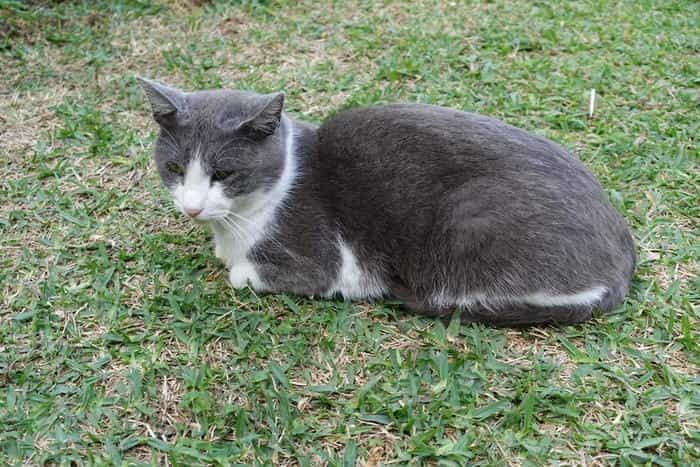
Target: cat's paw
(244, 274)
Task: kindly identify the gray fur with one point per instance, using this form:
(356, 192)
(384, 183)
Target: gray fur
(433, 201)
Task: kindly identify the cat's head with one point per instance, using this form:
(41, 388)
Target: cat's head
(218, 150)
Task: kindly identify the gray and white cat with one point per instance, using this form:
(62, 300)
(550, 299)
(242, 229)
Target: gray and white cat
(437, 208)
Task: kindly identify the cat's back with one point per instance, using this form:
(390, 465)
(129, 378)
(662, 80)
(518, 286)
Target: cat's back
(411, 119)
(426, 144)
(437, 138)
(409, 122)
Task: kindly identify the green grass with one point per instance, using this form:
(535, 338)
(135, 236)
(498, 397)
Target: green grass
(120, 342)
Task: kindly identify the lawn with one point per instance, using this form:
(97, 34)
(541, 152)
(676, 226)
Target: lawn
(121, 343)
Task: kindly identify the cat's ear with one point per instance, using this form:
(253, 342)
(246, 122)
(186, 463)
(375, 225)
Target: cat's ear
(267, 118)
(166, 101)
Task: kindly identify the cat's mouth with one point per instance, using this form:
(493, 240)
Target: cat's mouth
(206, 212)
(207, 217)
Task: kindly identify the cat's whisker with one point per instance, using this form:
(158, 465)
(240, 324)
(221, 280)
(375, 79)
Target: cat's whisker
(294, 256)
(255, 229)
(232, 144)
(241, 228)
(173, 141)
(168, 146)
(243, 218)
(247, 236)
(233, 231)
(236, 229)
(232, 228)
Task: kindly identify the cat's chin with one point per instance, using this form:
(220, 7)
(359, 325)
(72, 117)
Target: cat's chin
(205, 219)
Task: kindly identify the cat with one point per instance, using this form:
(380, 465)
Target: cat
(439, 209)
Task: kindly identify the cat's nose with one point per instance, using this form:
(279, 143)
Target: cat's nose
(193, 212)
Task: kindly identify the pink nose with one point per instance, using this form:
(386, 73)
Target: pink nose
(192, 212)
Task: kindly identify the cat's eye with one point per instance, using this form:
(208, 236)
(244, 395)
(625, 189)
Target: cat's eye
(174, 168)
(220, 175)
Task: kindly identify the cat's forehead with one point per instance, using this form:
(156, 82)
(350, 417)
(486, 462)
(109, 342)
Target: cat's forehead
(217, 105)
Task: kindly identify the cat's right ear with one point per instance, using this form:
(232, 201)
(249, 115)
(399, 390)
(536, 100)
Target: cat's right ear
(167, 103)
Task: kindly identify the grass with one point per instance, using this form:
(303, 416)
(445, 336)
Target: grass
(120, 342)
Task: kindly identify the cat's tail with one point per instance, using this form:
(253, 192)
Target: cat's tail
(613, 298)
(615, 295)
(524, 314)
(512, 315)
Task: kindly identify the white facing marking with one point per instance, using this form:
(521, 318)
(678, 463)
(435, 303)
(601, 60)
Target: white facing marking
(196, 185)
(352, 281)
(196, 192)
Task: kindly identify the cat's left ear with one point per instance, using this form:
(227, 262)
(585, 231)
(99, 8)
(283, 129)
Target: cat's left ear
(166, 102)
(267, 118)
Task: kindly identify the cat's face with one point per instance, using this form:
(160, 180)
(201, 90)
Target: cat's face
(217, 150)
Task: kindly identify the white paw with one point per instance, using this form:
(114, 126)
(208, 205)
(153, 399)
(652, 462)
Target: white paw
(243, 274)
